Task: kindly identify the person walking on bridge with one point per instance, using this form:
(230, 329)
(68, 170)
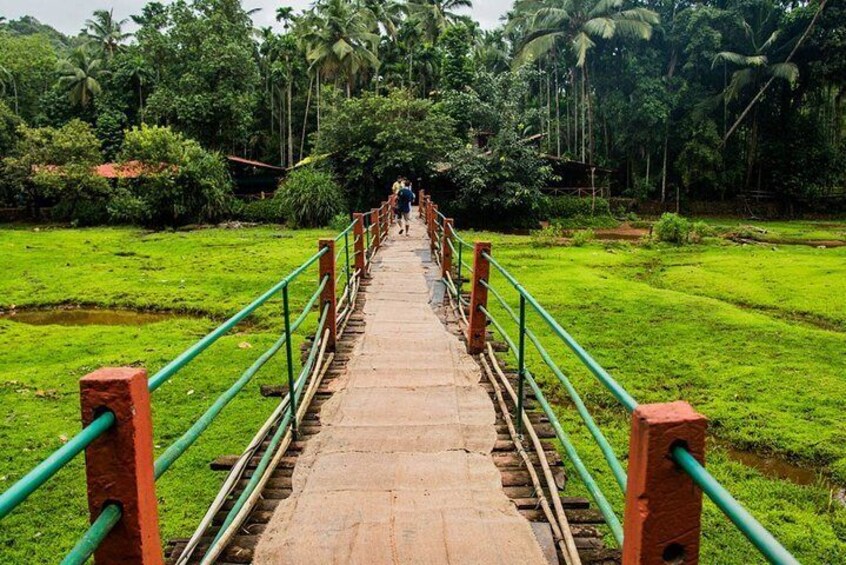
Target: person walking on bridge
(404, 199)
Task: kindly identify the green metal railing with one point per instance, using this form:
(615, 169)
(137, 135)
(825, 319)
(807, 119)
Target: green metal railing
(769, 547)
(111, 513)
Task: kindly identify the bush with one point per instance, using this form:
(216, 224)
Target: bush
(265, 211)
(573, 206)
(581, 237)
(672, 228)
(309, 197)
(547, 236)
(699, 230)
(340, 222)
(180, 182)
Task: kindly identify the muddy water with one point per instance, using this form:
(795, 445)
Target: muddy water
(777, 468)
(774, 466)
(84, 317)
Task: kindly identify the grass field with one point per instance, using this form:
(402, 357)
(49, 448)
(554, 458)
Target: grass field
(753, 336)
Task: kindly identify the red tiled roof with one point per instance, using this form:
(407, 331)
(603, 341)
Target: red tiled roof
(258, 164)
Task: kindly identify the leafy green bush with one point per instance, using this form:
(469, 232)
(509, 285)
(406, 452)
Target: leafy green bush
(547, 236)
(309, 197)
(581, 237)
(672, 228)
(340, 222)
(179, 182)
(573, 206)
(267, 211)
(699, 230)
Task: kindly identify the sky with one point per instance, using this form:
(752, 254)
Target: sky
(68, 16)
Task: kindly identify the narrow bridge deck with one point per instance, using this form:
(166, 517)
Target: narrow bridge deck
(401, 470)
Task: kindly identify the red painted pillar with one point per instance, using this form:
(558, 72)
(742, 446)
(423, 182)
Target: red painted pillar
(327, 269)
(446, 250)
(477, 322)
(663, 506)
(377, 233)
(119, 464)
(433, 226)
(358, 241)
(421, 198)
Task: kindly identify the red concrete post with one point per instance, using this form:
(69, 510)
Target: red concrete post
(661, 523)
(374, 223)
(433, 226)
(358, 241)
(446, 250)
(421, 198)
(327, 269)
(477, 322)
(119, 464)
(392, 205)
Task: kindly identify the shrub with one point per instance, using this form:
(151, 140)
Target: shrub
(572, 206)
(180, 182)
(699, 230)
(309, 197)
(265, 211)
(547, 236)
(672, 228)
(581, 237)
(340, 222)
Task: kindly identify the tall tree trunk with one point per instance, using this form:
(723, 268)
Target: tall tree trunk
(648, 160)
(317, 93)
(589, 115)
(281, 131)
(290, 122)
(557, 112)
(664, 166)
(305, 118)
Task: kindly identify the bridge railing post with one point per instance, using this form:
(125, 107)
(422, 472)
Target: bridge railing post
(326, 268)
(119, 464)
(477, 321)
(376, 227)
(446, 250)
(663, 507)
(433, 226)
(421, 198)
(358, 242)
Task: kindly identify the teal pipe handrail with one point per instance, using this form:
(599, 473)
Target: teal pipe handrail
(189, 354)
(94, 535)
(604, 446)
(588, 480)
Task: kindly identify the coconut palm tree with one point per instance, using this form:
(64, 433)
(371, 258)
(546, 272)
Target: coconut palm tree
(578, 23)
(432, 17)
(340, 43)
(79, 75)
(105, 31)
(753, 70)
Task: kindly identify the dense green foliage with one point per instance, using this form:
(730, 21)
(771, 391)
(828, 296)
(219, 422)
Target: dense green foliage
(310, 197)
(180, 182)
(575, 207)
(373, 139)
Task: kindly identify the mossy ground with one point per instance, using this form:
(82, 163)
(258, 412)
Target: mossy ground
(753, 337)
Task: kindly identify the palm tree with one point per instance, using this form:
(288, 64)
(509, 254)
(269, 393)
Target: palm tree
(79, 75)
(285, 14)
(340, 43)
(432, 17)
(578, 23)
(754, 69)
(491, 52)
(104, 30)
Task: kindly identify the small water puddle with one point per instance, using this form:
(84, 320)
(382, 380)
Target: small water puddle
(85, 317)
(777, 468)
(773, 466)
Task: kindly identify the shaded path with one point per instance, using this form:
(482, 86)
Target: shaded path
(401, 471)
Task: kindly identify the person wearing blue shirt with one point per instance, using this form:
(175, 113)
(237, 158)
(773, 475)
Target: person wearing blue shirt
(404, 199)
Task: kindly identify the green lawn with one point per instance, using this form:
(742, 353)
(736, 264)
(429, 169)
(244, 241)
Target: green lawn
(210, 273)
(753, 337)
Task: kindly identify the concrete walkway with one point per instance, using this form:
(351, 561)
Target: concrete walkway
(401, 471)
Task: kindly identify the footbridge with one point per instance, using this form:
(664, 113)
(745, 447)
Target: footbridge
(408, 429)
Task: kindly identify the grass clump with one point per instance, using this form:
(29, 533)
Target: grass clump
(310, 197)
(581, 237)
